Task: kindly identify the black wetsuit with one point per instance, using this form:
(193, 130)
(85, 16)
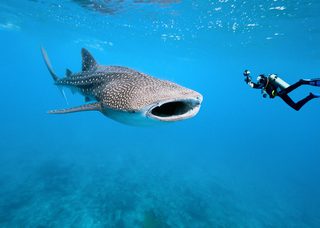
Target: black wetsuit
(274, 90)
(283, 94)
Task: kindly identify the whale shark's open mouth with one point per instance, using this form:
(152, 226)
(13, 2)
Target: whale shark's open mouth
(174, 110)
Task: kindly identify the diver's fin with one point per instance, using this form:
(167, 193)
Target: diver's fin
(88, 62)
(87, 107)
(53, 74)
(314, 82)
(68, 72)
(315, 95)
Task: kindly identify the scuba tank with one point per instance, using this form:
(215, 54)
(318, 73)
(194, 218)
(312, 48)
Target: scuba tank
(278, 82)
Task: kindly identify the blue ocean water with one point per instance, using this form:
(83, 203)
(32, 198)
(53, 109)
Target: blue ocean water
(243, 161)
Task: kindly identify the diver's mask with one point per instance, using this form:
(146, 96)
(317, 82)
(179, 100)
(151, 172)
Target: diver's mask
(262, 80)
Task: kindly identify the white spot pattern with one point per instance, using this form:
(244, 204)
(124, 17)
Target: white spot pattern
(124, 89)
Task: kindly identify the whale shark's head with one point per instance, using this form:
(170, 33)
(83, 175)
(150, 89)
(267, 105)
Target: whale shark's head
(154, 100)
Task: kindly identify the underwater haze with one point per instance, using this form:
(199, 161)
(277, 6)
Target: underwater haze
(243, 161)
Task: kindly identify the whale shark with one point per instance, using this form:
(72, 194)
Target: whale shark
(124, 94)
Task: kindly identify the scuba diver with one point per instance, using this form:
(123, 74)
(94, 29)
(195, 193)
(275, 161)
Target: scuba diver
(275, 86)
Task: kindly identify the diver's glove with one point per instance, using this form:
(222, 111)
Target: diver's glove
(247, 79)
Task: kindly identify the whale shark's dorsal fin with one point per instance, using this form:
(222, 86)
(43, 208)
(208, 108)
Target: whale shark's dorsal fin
(88, 62)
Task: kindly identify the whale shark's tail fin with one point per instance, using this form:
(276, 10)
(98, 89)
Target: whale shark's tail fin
(53, 74)
(48, 64)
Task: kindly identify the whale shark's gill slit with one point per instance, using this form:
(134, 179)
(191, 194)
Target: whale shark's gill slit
(174, 108)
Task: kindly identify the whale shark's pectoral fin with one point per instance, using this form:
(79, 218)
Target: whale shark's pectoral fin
(87, 107)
